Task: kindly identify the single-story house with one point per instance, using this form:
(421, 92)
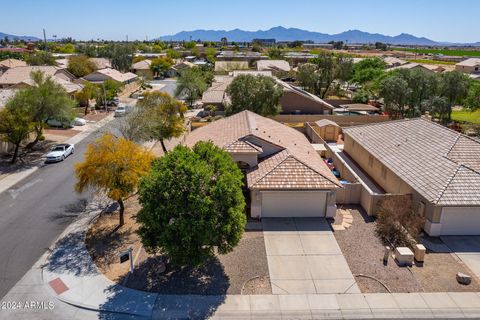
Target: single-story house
(293, 101)
(394, 62)
(273, 65)
(426, 67)
(227, 66)
(110, 74)
(285, 176)
(438, 167)
(471, 65)
(142, 68)
(11, 63)
(17, 75)
(70, 87)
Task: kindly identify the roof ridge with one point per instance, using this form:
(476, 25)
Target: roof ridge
(274, 167)
(449, 180)
(451, 147)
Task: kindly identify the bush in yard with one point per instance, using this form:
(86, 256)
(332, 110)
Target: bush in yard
(397, 224)
(192, 205)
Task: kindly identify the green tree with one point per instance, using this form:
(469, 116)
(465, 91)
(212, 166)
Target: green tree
(120, 55)
(259, 94)
(108, 91)
(88, 92)
(161, 65)
(80, 66)
(437, 106)
(395, 92)
(191, 85)
(454, 87)
(113, 166)
(163, 117)
(15, 125)
(192, 205)
(275, 53)
(368, 70)
(319, 75)
(68, 48)
(40, 58)
(361, 96)
(210, 54)
(196, 52)
(473, 98)
(43, 100)
(174, 54)
(189, 45)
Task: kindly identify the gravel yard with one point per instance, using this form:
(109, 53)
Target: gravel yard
(364, 254)
(245, 267)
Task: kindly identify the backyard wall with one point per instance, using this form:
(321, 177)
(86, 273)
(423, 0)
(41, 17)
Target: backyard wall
(343, 121)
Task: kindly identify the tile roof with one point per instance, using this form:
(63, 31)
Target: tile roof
(142, 65)
(294, 164)
(101, 63)
(230, 65)
(19, 74)
(12, 63)
(243, 146)
(472, 62)
(326, 122)
(114, 74)
(70, 87)
(440, 164)
(274, 65)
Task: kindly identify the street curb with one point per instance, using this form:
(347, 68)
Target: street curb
(19, 176)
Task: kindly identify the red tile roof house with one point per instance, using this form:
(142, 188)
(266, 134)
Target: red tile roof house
(284, 174)
(439, 167)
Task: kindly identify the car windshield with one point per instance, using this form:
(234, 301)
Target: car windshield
(59, 148)
(121, 108)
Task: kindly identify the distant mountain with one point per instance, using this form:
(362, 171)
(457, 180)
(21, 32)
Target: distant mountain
(291, 34)
(14, 37)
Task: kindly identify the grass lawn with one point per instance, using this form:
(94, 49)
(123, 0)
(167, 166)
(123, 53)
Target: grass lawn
(426, 61)
(464, 115)
(445, 52)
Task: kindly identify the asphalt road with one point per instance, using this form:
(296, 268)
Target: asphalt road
(34, 212)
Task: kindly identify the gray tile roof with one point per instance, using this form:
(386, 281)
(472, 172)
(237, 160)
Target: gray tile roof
(440, 164)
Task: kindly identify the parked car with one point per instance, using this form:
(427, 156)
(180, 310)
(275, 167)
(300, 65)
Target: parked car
(122, 110)
(59, 124)
(113, 102)
(60, 152)
(79, 122)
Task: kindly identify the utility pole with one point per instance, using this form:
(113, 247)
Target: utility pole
(45, 39)
(127, 37)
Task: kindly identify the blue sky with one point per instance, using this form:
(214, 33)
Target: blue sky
(441, 20)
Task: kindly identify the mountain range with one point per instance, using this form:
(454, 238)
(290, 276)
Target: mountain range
(292, 34)
(14, 37)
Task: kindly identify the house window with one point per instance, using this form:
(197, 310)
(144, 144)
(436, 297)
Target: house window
(370, 161)
(384, 172)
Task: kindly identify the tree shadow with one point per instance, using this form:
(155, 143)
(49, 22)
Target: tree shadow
(70, 256)
(71, 211)
(208, 279)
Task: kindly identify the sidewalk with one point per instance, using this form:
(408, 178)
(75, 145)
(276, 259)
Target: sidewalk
(69, 275)
(11, 179)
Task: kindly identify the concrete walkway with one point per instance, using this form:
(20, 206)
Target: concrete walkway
(304, 257)
(467, 248)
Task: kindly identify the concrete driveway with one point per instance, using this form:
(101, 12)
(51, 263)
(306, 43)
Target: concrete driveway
(304, 257)
(467, 248)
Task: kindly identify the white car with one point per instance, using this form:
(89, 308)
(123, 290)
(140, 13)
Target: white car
(60, 152)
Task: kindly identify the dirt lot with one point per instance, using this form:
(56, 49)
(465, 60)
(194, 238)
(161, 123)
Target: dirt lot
(246, 267)
(364, 254)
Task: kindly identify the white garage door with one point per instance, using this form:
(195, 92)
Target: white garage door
(293, 204)
(460, 221)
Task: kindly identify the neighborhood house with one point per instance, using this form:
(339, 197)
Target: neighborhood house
(439, 167)
(285, 176)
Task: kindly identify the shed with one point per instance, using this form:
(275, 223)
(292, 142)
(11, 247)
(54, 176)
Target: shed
(328, 130)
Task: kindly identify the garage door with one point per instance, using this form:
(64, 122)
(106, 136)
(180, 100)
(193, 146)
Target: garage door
(460, 221)
(293, 204)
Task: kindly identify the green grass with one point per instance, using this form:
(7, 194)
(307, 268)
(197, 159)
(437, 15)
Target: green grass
(467, 116)
(445, 52)
(426, 61)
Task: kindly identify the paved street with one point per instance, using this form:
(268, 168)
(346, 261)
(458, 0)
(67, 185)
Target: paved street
(34, 212)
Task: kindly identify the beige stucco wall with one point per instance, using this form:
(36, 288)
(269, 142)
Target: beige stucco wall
(250, 158)
(467, 69)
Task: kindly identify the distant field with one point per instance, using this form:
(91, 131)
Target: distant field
(426, 61)
(445, 52)
(463, 115)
